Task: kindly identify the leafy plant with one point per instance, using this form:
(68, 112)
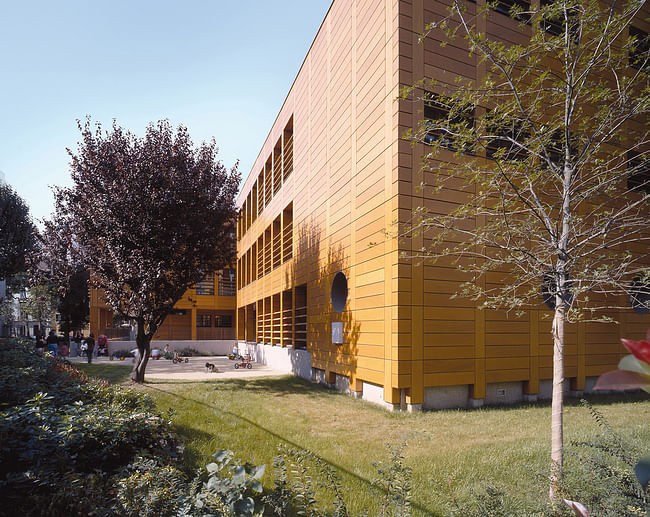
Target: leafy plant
(395, 480)
(602, 477)
(64, 436)
(189, 352)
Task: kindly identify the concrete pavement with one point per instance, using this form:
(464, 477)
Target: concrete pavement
(194, 369)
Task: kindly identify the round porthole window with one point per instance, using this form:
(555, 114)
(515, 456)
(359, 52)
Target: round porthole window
(339, 291)
(640, 296)
(549, 288)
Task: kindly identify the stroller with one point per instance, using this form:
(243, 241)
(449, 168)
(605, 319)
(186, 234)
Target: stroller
(102, 345)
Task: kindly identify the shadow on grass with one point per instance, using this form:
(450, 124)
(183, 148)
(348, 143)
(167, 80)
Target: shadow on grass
(115, 374)
(273, 386)
(278, 387)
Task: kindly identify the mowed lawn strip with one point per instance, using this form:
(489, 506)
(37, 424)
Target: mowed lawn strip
(113, 373)
(462, 450)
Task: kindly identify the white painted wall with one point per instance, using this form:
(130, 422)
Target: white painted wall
(287, 359)
(209, 347)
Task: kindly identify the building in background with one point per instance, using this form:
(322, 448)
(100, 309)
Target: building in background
(204, 319)
(316, 273)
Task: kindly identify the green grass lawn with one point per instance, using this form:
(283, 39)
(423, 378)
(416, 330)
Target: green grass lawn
(113, 373)
(461, 450)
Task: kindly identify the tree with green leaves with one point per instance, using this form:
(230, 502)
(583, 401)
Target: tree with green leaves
(39, 302)
(550, 149)
(148, 217)
(17, 232)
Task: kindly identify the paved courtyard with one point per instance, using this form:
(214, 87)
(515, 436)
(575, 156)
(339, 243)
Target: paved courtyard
(194, 369)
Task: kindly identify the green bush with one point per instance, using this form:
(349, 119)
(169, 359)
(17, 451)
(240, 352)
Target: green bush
(63, 436)
(122, 353)
(224, 488)
(190, 352)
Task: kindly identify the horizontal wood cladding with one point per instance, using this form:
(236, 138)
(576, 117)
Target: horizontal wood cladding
(339, 130)
(342, 155)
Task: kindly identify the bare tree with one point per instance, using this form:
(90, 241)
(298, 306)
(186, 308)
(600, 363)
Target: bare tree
(551, 148)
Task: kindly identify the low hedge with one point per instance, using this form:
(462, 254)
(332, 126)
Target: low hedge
(64, 437)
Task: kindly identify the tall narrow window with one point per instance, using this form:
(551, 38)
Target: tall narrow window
(277, 166)
(507, 141)
(287, 233)
(267, 251)
(444, 128)
(260, 192)
(277, 242)
(254, 202)
(227, 282)
(206, 286)
(640, 49)
(519, 9)
(268, 181)
(300, 330)
(260, 257)
(287, 149)
(554, 21)
(638, 168)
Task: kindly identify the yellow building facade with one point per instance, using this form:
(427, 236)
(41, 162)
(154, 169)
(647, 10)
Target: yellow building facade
(331, 177)
(205, 313)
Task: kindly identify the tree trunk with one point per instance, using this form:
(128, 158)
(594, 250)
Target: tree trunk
(557, 404)
(143, 341)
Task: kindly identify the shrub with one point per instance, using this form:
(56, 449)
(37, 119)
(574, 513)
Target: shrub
(122, 353)
(602, 473)
(63, 436)
(224, 487)
(190, 352)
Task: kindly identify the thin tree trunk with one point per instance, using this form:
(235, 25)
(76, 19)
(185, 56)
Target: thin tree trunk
(557, 404)
(143, 341)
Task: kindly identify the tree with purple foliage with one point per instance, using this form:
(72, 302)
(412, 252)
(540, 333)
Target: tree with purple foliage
(149, 217)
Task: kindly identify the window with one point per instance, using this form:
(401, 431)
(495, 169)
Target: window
(287, 149)
(206, 286)
(440, 111)
(203, 320)
(227, 282)
(639, 50)
(509, 7)
(640, 296)
(638, 169)
(555, 24)
(223, 320)
(549, 290)
(556, 148)
(506, 142)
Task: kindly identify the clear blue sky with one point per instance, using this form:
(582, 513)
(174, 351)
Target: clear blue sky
(221, 68)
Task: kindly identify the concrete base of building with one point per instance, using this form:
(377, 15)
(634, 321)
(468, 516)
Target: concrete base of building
(298, 362)
(207, 347)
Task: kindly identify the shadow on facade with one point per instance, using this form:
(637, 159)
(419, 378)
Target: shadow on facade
(313, 271)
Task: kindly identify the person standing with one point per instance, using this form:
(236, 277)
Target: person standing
(90, 346)
(52, 343)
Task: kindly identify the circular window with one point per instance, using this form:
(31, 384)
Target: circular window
(640, 296)
(549, 291)
(339, 291)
